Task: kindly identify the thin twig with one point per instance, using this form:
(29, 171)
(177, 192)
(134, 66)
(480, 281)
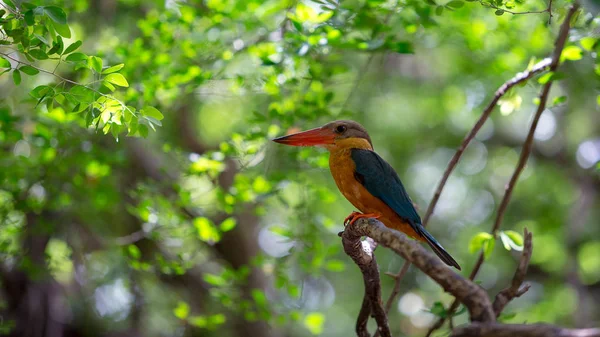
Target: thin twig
(63, 79)
(527, 147)
(490, 5)
(396, 289)
(515, 289)
(41, 69)
(504, 88)
(363, 71)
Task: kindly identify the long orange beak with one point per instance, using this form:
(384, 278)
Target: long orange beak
(318, 136)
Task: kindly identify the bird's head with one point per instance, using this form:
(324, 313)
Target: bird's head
(332, 136)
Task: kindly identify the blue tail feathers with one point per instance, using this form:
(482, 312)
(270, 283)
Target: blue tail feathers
(436, 246)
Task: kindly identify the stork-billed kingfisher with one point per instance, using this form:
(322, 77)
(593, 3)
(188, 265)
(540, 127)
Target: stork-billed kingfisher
(366, 180)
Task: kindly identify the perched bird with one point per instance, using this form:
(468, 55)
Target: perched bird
(366, 180)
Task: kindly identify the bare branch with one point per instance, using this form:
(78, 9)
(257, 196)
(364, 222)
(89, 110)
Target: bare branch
(515, 289)
(363, 70)
(521, 330)
(397, 277)
(504, 88)
(471, 295)
(491, 5)
(362, 254)
(396, 290)
(527, 147)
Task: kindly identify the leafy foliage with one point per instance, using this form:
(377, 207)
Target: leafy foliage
(205, 227)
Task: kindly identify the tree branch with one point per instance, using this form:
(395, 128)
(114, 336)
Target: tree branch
(471, 295)
(521, 330)
(362, 254)
(504, 88)
(527, 147)
(515, 289)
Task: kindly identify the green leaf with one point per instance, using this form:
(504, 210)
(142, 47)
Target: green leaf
(198, 321)
(29, 17)
(151, 111)
(4, 63)
(516, 239)
(455, 4)
(143, 130)
(109, 86)
(488, 247)
(56, 13)
(476, 243)
(499, 12)
(559, 100)
(72, 47)
(38, 54)
(134, 252)
(506, 317)
(505, 241)
(63, 30)
(588, 43)
(215, 280)
(260, 298)
(323, 16)
(29, 70)
(10, 4)
(76, 57)
(598, 99)
(402, 47)
(182, 310)
(439, 10)
(305, 13)
(571, 53)
(335, 265)
(113, 69)
(118, 79)
(228, 224)
(17, 76)
(207, 231)
(314, 322)
(95, 63)
(438, 309)
(551, 76)
(41, 91)
(217, 319)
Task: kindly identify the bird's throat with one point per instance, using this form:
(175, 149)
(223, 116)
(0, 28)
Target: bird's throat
(349, 143)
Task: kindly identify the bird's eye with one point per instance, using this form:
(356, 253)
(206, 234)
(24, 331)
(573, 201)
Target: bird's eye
(340, 129)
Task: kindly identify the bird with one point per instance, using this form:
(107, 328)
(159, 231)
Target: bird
(366, 180)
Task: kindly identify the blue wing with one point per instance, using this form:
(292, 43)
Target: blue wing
(380, 179)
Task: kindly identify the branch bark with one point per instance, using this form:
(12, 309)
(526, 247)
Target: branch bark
(504, 88)
(362, 254)
(471, 295)
(527, 147)
(515, 289)
(521, 330)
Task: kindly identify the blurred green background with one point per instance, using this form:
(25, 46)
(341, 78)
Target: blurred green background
(206, 228)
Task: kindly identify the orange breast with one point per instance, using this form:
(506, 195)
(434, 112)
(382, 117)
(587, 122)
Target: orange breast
(342, 169)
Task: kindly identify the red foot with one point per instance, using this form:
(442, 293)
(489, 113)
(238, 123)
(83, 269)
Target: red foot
(351, 219)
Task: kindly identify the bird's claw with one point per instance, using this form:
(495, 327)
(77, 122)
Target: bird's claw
(351, 219)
